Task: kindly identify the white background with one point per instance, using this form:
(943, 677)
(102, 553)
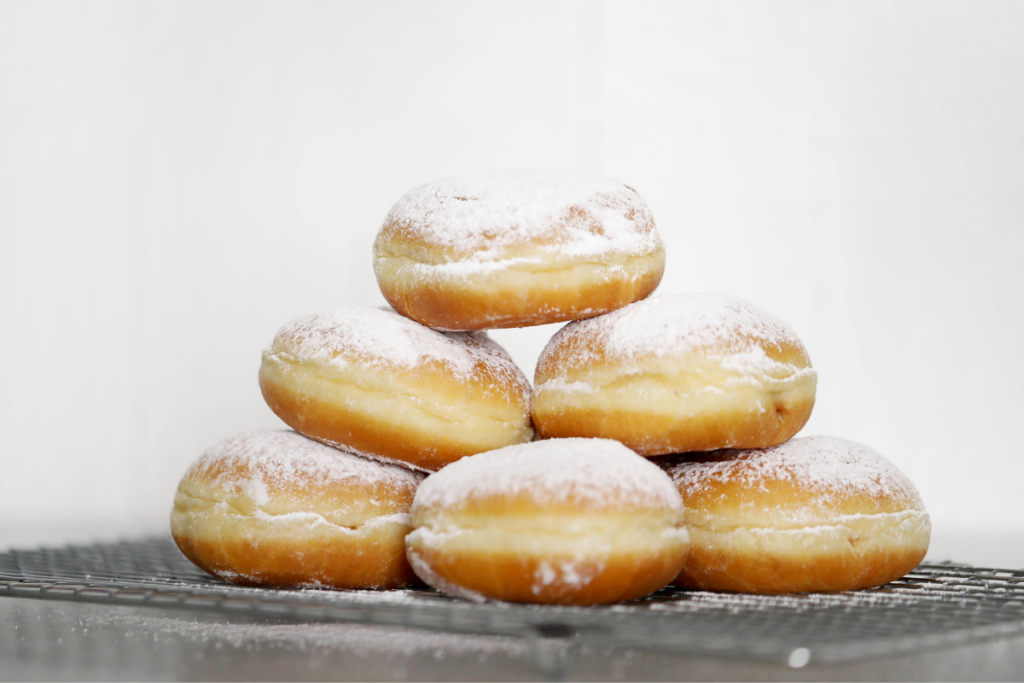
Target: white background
(179, 179)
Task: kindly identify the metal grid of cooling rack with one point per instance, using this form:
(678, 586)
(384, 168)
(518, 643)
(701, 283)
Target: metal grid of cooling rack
(936, 605)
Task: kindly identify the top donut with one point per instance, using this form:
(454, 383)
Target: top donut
(516, 249)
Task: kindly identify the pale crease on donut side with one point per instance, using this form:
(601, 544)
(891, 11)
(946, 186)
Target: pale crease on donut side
(278, 509)
(515, 249)
(813, 514)
(391, 389)
(568, 521)
(676, 373)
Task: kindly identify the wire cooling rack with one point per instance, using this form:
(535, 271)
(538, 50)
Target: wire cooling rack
(936, 605)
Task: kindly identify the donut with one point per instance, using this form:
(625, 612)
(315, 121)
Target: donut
(515, 249)
(676, 373)
(815, 514)
(277, 509)
(379, 384)
(564, 521)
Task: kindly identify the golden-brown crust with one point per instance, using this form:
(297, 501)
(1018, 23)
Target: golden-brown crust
(770, 561)
(814, 514)
(506, 576)
(579, 522)
(591, 350)
(656, 406)
(276, 509)
(652, 433)
(347, 501)
(350, 426)
(556, 290)
(424, 416)
(370, 562)
(517, 248)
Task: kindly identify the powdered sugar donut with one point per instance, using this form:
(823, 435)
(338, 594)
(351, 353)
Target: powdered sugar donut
(514, 249)
(676, 373)
(386, 387)
(566, 521)
(278, 509)
(814, 514)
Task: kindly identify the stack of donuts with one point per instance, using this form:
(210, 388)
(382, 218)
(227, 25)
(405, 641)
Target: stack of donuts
(654, 447)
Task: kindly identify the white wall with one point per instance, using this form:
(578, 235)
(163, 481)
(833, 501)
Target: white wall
(179, 179)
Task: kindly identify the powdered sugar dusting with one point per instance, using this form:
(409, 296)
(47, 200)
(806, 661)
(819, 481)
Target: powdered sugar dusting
(378, 337)
(284, 460)
(480, 216)
(592, 473)
(575, 573)
(432, 578)
(372, 456)
(674, 324)
(831, 467)
(370, 652)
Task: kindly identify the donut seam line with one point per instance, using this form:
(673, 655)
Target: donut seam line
(563, 508)
(432, 528)
(561, 385)
(468, 268)
(582, 245)
(262, 515)
(209, 501)
(291, 360)
(795, 381)
(798, 376)
(400, 518)
(456, 270)
(436, 539)
(841, 523)
(577, 388)
(415, 400)
(617, 383)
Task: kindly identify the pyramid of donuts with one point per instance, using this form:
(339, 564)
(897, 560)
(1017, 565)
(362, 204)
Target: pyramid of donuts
(655, 445)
